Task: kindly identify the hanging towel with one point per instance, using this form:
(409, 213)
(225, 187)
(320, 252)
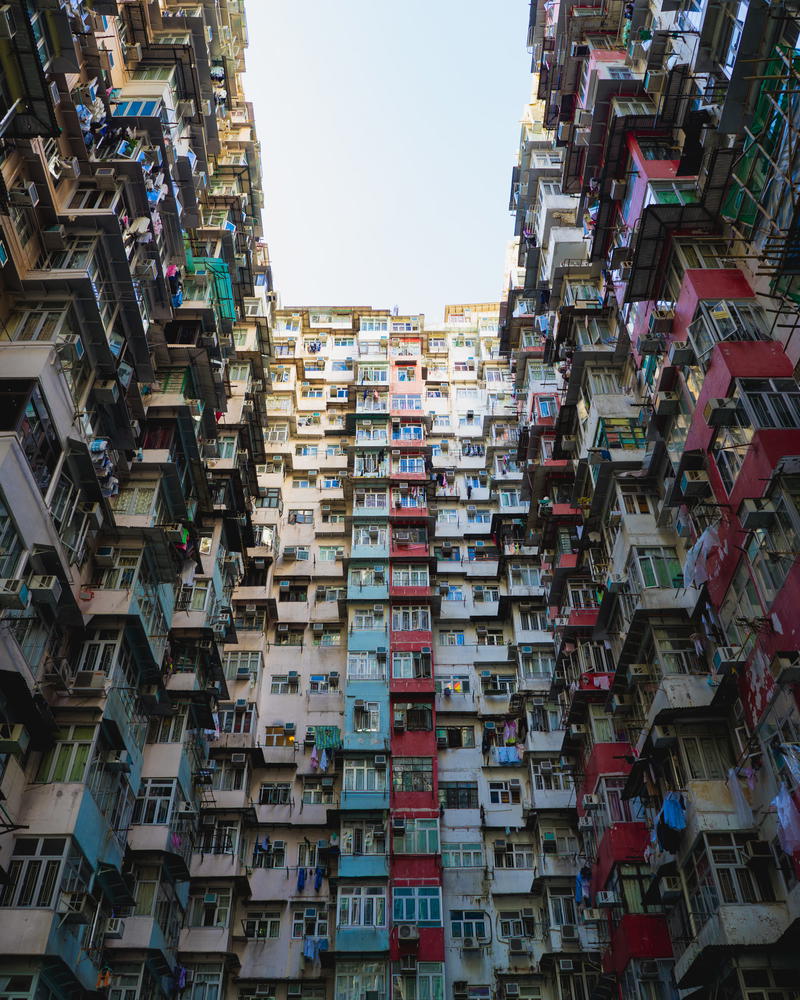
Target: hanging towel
(319, 874)
(323, 761)
(327, 737)
(314, 759)
(308, 948)
(744, 814)
(301, 879)
(578, 888)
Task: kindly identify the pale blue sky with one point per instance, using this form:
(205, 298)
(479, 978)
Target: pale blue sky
(388, 133)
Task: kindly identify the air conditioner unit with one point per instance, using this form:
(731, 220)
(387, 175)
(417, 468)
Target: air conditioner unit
(585, 823)
(54, 238)
(105, 178)
(663, 737)
(639, 672)
(14, 594)
(240, 705)
(669, 888)
(721, 412)
(398, 824)
(14, 739)
(755, 514)
(516, 946)
(616, 584)
(616, 192)
(681, 353)
(621, 704)
(592, 916)
(318, 627)
(407, 932)
(577, 730)
(470, 944)
(605, 898)
(728, 658)
(114, 929)
(511, 989)
(648, 969)
(380, 762)
(581, 136)
(243, 673)
(661, 320)
(695, 484)
(76, 907)
(26, 196)
(590, 802)
(106, 391)
(566, 965)
(93, 512)
(283, 627)
(569, 932)
(580, 51)
(8, 26)
(785, 668)
(668, 404)
(210, 899)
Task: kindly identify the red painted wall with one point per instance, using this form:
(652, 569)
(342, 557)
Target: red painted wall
(637, 935)
(621, 842)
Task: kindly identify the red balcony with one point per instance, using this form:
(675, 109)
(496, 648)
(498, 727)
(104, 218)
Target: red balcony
(401, 513)
(413, 744)
(429, 948)
(606, 759)
(622, 843)
(637, 935)
(402, 549)
(423, 593)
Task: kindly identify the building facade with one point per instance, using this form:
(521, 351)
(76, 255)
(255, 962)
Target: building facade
(348, 658)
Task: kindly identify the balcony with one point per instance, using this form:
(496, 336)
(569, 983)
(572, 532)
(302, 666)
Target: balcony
(356, 940)
(734, 929)
(511, 881)
(374, 801)
(363, 866)
(174, 840)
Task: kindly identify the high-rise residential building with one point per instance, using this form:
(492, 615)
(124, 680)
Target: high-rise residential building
(349, 657)
(651, 322)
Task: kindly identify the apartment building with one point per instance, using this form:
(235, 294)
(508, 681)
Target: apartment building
(650, 322)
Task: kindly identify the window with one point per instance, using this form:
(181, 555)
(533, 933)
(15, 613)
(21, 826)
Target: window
(262, 924)
(620, 432)
(234, 720)
(562, 910)
(275, 793)
(365, 666)
(301, 516)
(268, 853)
(361, 906)
(363, 838)
(458, 794)
(68, 758)
(418, 904)
(451, 637)
(316, 793)
(239, 660)
(367, 717)
(406, 401)
(536, 662)
(508, 855)
(35, 872)
(425, 983)
(510, 498)
(414, 716)
(410, 576)
(210, 908)
(154, 802)
(504, 792)
(468, 923)
(717, 873)
(308, 924)
(411, 619)
(656, 567)
(330, 553)
(363, 776)
(170, 728)
(280, 684)
(357, 979)
(228, 778)
(467, 855)
(408, 665)
(706, 756)
(292, 637)
(320, 683)
(491, 637)
(421, 836)
(455, 736)
(412, 774)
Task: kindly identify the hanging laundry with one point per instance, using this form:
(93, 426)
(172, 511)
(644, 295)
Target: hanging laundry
(323, 761)
(301, 879)
(788, 821)
(308, 948)
(319, 874)
(314, 759)
(673, 811)
(744, 814)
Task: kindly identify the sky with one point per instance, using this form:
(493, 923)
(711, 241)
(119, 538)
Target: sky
(388, 134)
